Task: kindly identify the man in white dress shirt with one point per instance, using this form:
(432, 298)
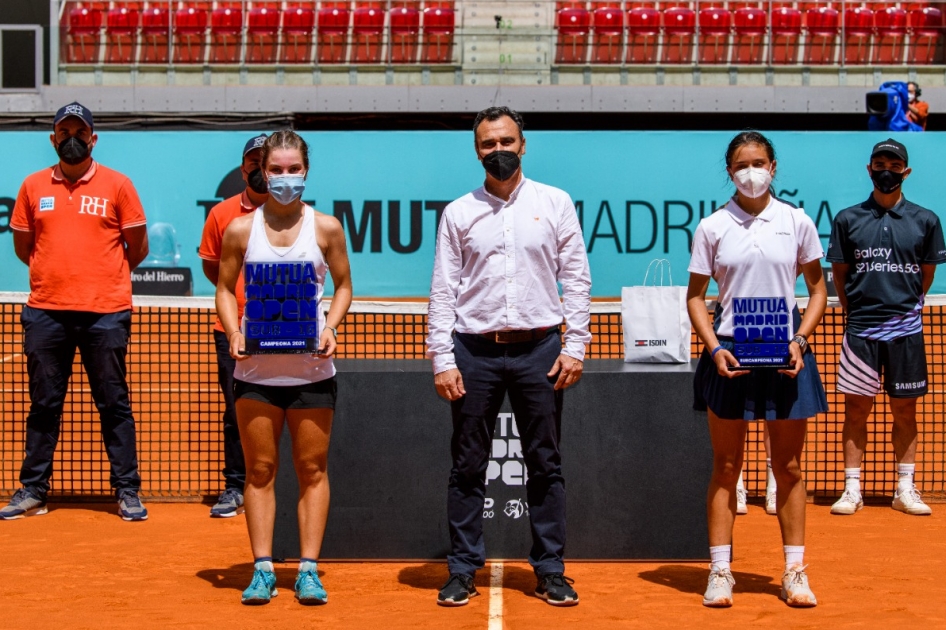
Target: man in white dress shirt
(494, 319)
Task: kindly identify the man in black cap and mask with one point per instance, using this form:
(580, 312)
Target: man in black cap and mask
(884, 252)
(494, 320)
(80, 228)
(230, 502)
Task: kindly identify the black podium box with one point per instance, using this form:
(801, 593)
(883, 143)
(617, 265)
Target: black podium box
(636, 461)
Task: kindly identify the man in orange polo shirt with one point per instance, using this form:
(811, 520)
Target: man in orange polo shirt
(80, 228)
(256, 193)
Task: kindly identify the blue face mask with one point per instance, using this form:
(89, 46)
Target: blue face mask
(286, 188)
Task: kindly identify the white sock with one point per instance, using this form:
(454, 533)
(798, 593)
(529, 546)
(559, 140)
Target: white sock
(852, 480)
(769, 478)
(720, 556)
(905, 473)
(264, 565)
(308, 565)
(794, 555)
(739, 483)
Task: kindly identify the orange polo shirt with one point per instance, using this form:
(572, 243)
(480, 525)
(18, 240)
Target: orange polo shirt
(211, 241)
(78, 262)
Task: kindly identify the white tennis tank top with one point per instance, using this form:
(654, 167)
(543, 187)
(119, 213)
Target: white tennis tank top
(287, 369)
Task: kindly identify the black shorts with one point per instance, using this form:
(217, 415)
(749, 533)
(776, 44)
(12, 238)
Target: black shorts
(901, 361)
(320, 395)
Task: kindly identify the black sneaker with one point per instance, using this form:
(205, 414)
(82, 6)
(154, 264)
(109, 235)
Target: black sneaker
(457, 591)
(556, 589)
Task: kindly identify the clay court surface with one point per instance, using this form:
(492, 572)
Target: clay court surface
(80, 566)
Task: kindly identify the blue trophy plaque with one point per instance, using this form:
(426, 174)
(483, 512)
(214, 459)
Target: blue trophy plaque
(282, 310)
(762, 330)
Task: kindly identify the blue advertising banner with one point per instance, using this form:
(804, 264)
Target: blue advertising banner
(640, 195)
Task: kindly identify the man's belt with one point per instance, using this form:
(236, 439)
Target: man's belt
(519, 336)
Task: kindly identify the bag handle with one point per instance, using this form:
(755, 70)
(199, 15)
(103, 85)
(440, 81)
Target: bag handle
(657, 264)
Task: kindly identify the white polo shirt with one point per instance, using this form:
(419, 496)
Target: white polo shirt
(752, 256)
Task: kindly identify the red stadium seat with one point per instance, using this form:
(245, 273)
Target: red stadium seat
(715, 28)
(786, 33)
(154, 36)
(121, 35)
(438, 34)
(405, 34)
(926, 31)
(891, 25)
(332, 32)
(262, 34)
(822, 35)
(573, 28)
(679, 28)
(366, 35)
(298, 23)
(643, 28)
(858, 30)
(608, 35)
(83, 28)
(226, 30)
(190, 28)
(749, 43)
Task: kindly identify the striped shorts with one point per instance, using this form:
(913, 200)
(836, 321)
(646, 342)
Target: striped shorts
(902, 362)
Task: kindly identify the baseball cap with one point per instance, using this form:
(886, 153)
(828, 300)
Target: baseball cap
(890, 146)
(74, 109)
(254, 143)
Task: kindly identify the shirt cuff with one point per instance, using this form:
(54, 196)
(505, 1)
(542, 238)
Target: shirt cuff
(575, 352)
(444, 362)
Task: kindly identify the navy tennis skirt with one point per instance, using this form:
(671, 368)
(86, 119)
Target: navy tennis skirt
(760, 394)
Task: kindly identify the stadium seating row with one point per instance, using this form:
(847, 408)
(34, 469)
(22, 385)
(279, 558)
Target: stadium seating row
(299, 33)
(858, 35)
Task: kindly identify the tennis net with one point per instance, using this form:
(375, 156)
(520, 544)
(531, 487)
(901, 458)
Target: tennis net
(178, 406)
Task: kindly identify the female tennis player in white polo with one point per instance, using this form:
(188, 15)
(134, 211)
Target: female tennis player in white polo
(756, 246)
(287, 248)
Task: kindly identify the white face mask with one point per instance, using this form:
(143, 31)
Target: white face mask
(753, 182)
(912, 98)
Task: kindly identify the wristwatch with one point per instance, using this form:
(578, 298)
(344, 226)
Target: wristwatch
(802, 343)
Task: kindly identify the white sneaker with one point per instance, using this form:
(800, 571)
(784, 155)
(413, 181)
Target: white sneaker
(795, 589)
(909, 501)
(719, 588)
(849, 503)
(741, 501)
(770, 503)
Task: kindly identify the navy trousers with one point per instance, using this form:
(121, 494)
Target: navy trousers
(50, 339)
(234, 467)
(489, 372)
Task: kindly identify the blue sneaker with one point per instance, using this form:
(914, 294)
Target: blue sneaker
(24, 503)
(228, 505)
(309, 589)
(130, 507)
(261, 589)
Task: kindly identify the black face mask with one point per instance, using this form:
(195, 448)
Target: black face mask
(886, 181)
(501, 164)
(256, 182)
(72, 151)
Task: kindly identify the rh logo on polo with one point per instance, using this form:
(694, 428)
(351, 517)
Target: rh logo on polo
(93, 205)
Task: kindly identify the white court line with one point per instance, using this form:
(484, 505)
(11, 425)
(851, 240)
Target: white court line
(496, 597)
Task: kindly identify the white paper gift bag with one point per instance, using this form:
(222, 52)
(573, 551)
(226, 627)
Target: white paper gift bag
(655, 320)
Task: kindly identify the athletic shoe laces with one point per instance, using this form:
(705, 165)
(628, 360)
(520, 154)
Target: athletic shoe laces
(911, 495)
(849, 496)
(20, 496)
(722, 576)
(230, 495)
(465, 581)
(556, 579)
(131, 500)
(797, 576)
(259, 580)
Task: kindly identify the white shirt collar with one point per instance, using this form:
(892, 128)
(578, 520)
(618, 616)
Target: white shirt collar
(742, 217)
(512, 197)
